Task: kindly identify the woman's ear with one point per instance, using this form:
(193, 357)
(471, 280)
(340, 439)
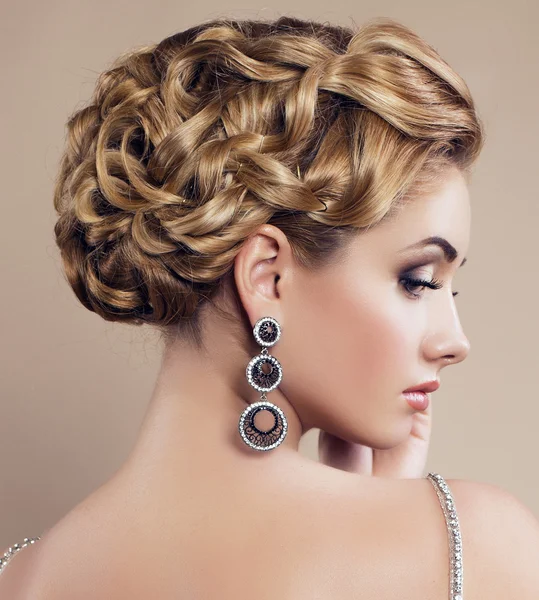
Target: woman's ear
(261, 269)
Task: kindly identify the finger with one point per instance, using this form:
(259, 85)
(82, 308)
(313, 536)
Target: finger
(407, 460)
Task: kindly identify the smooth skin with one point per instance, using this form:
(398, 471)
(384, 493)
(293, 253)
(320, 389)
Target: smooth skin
(195, 513)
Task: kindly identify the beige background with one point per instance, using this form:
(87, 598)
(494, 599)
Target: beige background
(74, 387)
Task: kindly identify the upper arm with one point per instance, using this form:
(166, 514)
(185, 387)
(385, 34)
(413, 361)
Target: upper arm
(500, 542)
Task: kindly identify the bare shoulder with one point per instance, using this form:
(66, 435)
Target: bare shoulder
(500, 538)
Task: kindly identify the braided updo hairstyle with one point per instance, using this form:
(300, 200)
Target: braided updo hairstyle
(189, 145)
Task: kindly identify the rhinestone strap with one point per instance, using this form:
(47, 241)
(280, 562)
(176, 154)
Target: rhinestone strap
(12, 550)
(453, 530)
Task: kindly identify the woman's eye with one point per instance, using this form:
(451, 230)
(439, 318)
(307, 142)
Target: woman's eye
(409, 283)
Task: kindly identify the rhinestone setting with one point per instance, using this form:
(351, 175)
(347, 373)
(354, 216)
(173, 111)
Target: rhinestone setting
(456, 571)
(254, 437)
(12, 550)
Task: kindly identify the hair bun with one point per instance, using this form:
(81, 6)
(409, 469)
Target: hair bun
(152, 204)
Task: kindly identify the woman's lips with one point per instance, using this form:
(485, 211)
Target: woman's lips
(417, 400)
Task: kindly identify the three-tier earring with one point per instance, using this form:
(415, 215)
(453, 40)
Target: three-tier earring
(264, 373)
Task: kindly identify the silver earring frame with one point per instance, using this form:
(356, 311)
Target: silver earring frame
(267, 332)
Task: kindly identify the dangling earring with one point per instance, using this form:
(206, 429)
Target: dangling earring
(267, 331)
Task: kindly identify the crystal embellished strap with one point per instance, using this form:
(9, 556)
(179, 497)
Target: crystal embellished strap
(12, 550)
(453, 529)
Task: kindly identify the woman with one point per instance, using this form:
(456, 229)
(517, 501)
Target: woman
(287, 203)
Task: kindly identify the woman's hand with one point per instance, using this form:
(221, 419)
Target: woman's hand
(404, 461)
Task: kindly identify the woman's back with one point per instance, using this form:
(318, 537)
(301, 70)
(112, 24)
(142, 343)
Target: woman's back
(326, 537)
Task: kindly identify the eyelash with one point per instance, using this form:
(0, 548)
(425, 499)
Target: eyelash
(433, 284)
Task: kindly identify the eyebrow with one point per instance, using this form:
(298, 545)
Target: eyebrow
(450, 252)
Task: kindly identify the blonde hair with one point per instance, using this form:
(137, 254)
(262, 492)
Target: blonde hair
(333, 129)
